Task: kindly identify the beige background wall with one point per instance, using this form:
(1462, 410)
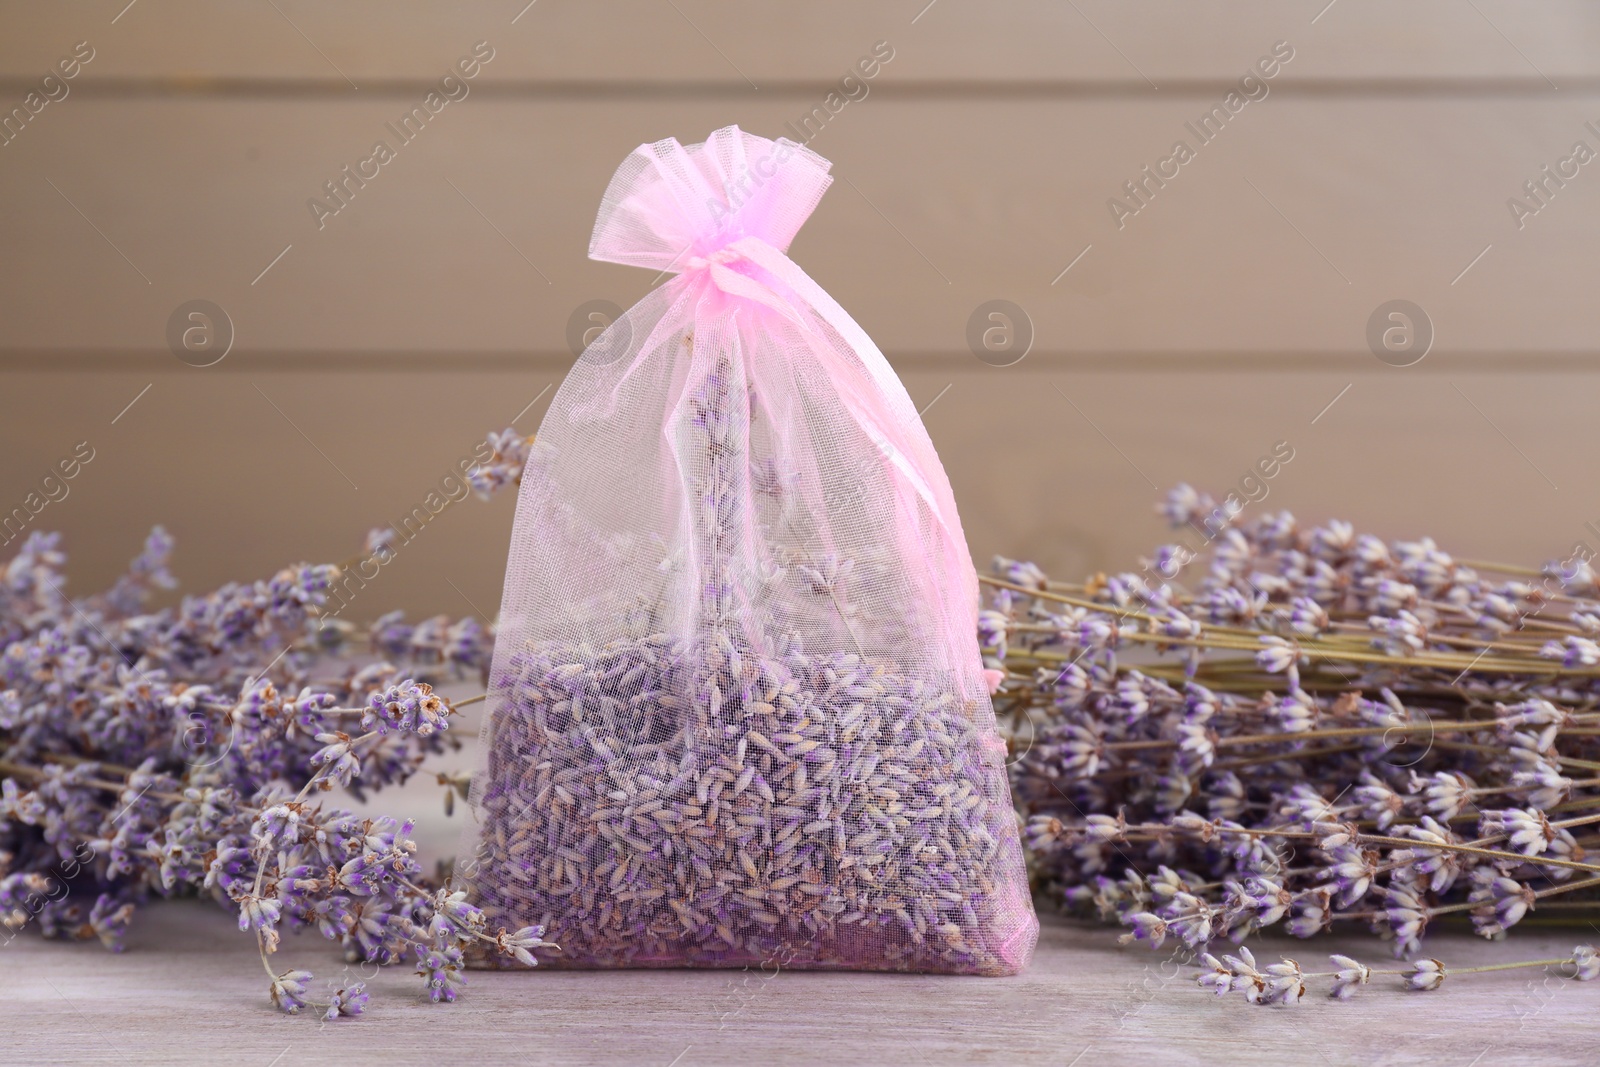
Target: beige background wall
(1223, 317)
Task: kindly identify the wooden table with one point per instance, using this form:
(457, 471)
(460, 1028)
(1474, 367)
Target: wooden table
(190, 991)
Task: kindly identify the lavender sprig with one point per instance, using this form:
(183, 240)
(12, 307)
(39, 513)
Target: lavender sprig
(1284, 983)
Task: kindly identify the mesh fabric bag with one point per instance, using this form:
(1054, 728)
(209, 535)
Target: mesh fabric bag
(737, 708)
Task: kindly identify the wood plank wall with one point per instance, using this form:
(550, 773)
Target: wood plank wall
(372, 347)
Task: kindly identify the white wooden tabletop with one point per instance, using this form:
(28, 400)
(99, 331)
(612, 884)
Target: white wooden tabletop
(189, 991)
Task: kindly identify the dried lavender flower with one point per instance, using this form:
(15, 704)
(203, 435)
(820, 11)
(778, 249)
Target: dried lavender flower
(1425, 975)
(1351, 975)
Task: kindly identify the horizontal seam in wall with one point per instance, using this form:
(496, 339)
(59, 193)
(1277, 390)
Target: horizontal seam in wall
(68, 361)
(976, 89)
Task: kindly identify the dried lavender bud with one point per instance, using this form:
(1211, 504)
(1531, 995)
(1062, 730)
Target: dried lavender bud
(508, 456)
(822, 808)
(1425, 975)
(288, 991)
(1352, 974)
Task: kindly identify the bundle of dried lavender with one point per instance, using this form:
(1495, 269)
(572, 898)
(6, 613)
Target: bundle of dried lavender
(185, 751)
(1318, 728)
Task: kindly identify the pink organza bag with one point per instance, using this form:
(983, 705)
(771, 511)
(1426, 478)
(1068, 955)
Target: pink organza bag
(738, 712)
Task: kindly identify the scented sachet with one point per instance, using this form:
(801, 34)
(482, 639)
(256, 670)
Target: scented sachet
(737, 712)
